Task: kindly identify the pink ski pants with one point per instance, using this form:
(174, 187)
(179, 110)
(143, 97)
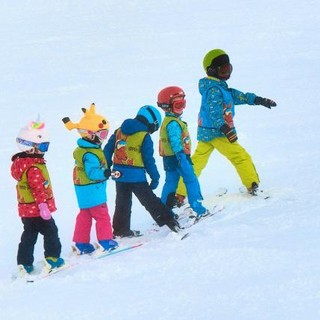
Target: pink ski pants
(82, 229)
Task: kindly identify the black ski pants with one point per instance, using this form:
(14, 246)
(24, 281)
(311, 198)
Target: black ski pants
(51, 242)
(122, 214)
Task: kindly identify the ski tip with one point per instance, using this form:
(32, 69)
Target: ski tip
(185, 236)
(221, 192)
(137, 245)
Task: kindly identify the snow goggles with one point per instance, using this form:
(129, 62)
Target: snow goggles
(225, 71)
(101, 134)
(177, 104)
(42, 146)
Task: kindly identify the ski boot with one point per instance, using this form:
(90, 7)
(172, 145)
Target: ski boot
(180, 200)
(173, 225)
(199, 209)
(128, 234)
(108, 245)
(24, 270)
(84, 248)
(254, 189)
(172, 201)
(53, 263)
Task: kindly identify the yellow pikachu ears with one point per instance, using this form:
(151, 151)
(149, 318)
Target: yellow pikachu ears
(91, 121)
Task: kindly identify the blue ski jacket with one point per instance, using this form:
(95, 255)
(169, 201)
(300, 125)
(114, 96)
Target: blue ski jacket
(217, 107)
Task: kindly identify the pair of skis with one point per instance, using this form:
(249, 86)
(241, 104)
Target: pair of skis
(47, 272)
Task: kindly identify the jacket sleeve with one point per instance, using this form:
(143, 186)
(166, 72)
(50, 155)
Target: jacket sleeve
(93, 168)
(242, 98)
(108, 150)
(174, 133)
(36, 182)
(148, 158)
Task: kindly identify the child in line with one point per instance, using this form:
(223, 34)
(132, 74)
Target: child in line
(89, 177)
(175, 148)
(35, 198)
(216, 129)
(130, 151)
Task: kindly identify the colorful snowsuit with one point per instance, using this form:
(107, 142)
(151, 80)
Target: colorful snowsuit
(90, 187)
(217, 108)
(33, 188)
(130, 152)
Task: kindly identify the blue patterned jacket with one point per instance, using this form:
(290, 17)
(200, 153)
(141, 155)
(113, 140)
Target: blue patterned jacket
(217, 107)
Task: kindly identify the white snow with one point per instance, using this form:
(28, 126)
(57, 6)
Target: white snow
(255, 260)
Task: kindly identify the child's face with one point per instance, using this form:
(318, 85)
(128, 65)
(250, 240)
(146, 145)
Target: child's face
(35, 150)
(224, 71)
(94, 136)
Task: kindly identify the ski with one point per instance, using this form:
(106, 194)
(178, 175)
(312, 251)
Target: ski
(49, 272)
(104, 254)
(46, 273)
(39, 274)
(259, 195)
(188, 213)
(221, 192)
(194, 219)
(217, 208)
(218, 193)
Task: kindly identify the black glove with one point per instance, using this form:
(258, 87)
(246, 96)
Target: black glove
(154, 184)
(268, 103)
(230, 133)
(107, 173)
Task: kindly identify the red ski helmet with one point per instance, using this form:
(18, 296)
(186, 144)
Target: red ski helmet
(172, 99)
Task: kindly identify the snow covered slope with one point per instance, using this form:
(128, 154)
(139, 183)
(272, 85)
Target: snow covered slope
(256, 259)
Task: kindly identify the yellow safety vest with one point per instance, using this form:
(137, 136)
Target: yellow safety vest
(127, 149)
(164, 143)
(79, 175)
(24, 192)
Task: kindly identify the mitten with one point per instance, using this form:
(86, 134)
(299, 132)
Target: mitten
(230, 133)
(268, 103)
(154, 184)
(45, 213)
(107, 173)
(183, 162)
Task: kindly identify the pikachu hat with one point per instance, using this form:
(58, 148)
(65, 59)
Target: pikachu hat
(91, 125)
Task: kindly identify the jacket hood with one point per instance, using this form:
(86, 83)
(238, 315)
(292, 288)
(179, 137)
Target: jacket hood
(131, 126)
(22, 162)
(208, 82)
